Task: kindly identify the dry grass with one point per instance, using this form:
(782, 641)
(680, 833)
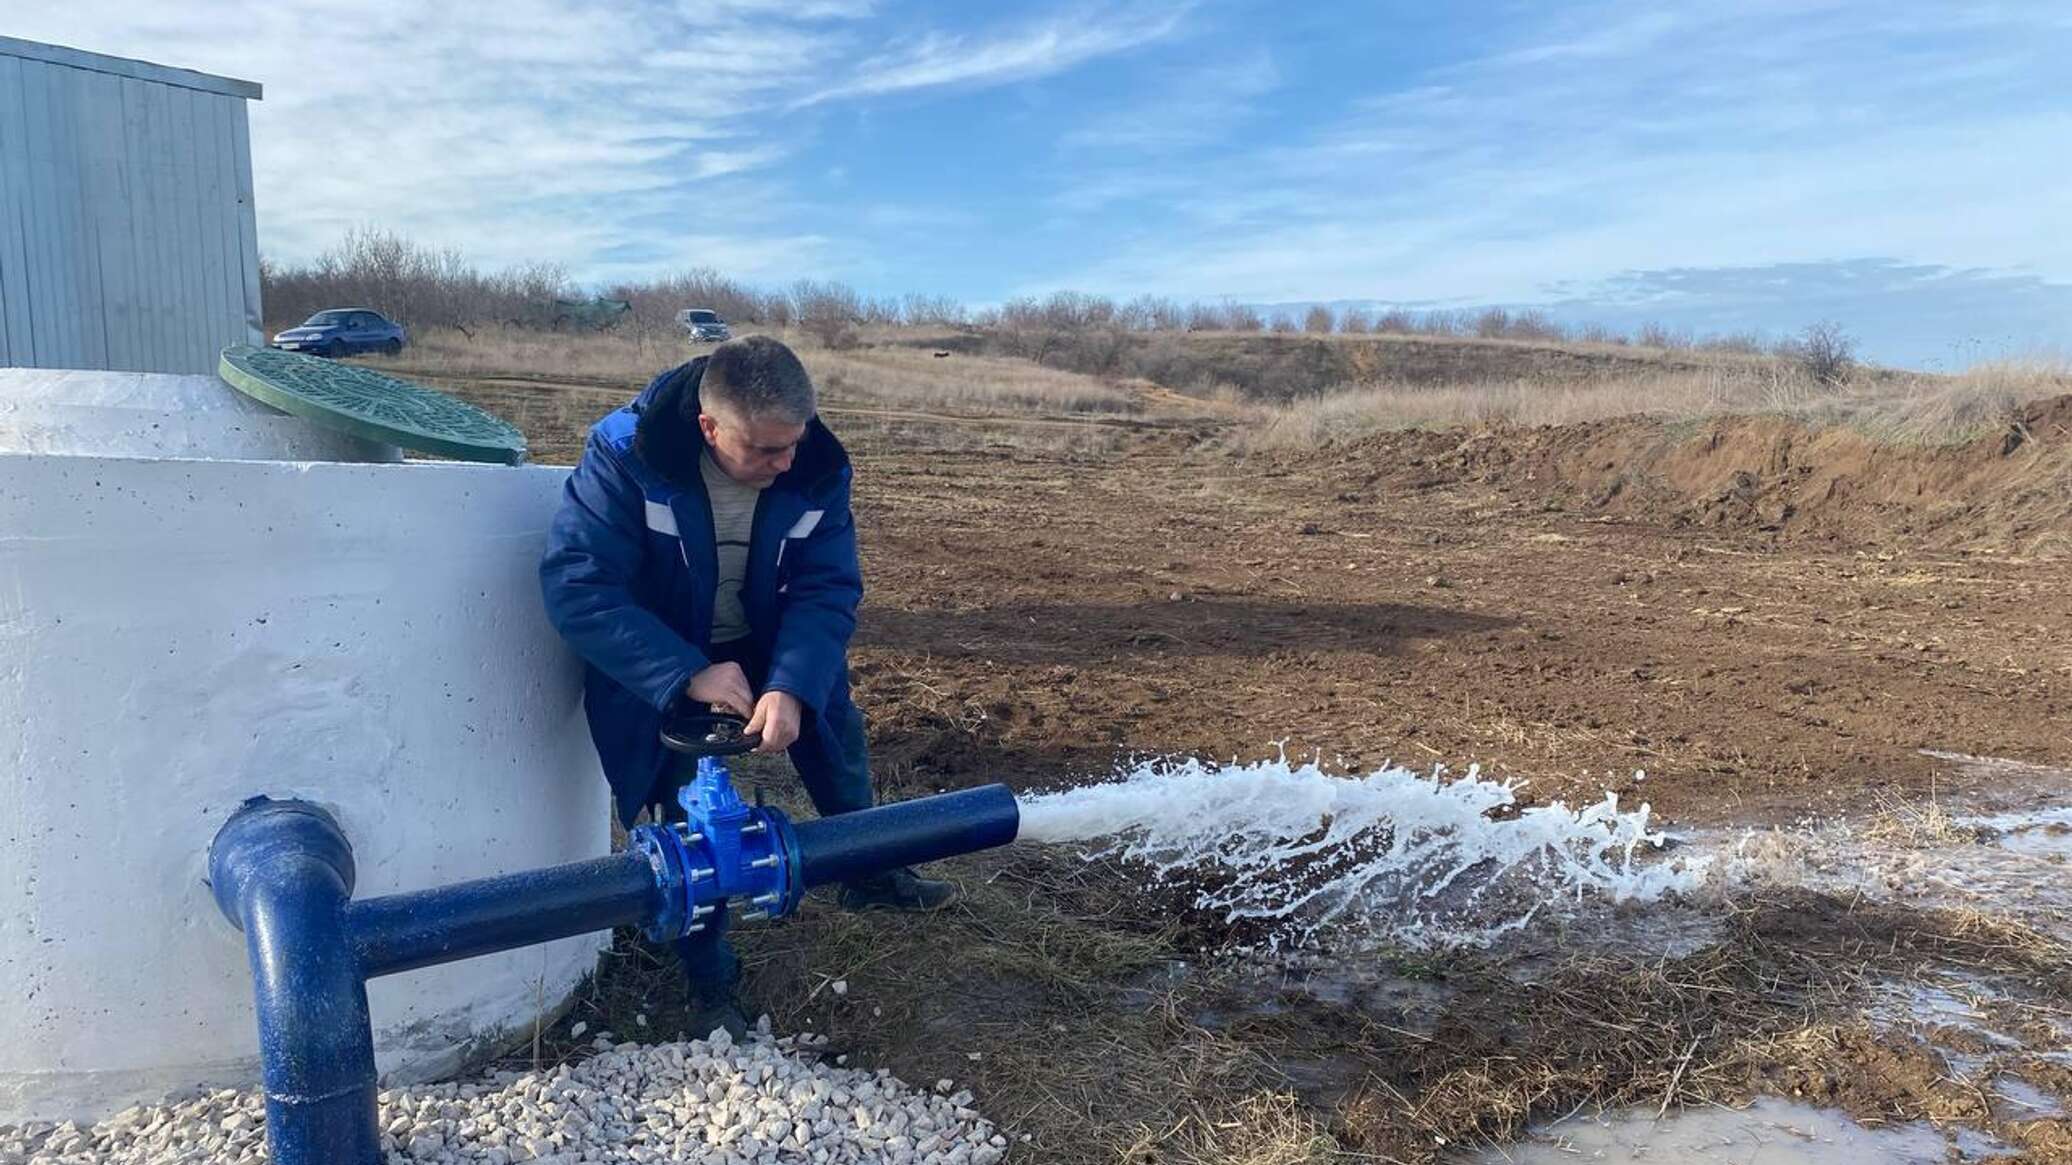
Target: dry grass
(890, 377)
(595, 357)
(1265, 1128)
(901, 374)
(1902, 409)
(1918, 824)
(915, 378)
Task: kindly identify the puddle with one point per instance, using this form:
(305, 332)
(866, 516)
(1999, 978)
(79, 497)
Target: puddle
(1973, 1145)
(1965, 1005)
(2002, 847)
(2025, 1101)
(1767, 1132)
(2040, 833)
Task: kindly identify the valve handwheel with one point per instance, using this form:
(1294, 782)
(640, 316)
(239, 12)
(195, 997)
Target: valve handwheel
(709, 734)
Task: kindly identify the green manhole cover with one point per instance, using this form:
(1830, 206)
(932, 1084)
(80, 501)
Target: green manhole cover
(367, 404)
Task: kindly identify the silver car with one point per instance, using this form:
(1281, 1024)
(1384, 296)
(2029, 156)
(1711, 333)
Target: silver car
(704, 325)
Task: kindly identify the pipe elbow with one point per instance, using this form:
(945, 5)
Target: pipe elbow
(266, 837)
(282, 872)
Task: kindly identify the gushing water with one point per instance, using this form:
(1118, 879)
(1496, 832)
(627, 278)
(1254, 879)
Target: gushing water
(1418, 859)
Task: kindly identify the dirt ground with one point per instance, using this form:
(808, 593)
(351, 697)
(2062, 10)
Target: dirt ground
(1045, 599)
(1030, 617)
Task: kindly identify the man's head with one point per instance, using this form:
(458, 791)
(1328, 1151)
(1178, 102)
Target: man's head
(753, 405)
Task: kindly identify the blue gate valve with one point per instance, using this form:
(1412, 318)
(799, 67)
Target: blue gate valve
(724, 850)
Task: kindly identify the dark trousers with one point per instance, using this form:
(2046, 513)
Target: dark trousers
(833, 762)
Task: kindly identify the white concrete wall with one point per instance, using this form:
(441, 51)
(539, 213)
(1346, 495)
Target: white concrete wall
(177, 635)
(66, 412)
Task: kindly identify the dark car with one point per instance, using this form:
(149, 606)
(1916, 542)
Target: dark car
(341, 331)
(704, 325)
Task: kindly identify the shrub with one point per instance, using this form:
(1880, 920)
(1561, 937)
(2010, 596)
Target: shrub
(933, 311)
(829, 312)
(1492, 323)
(1825, 353)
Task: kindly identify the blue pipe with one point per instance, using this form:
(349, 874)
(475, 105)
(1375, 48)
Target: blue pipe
(403, 932)
(282, 871)
(906, 833)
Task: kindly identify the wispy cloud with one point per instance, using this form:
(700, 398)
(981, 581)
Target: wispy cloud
(528, 129)
(1182, 108)
(1917, 314)
(1486, 151)
(1623, 137)
(1051, 45)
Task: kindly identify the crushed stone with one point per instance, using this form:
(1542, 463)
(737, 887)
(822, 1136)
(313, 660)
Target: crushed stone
(698, 1102)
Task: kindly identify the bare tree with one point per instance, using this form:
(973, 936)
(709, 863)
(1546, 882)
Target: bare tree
(1440, 322)
(1656, 335)
(828, 311)
(1824, 352)
(1152, 313)
(419, 286)
(1736, 343)
(881, 311)
(1319, 321)
(934, 311)
(1534, 324)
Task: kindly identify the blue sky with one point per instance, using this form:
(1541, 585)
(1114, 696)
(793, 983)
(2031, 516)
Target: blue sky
(1903, 168)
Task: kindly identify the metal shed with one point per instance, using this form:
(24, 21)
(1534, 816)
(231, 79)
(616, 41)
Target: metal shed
(127, 235)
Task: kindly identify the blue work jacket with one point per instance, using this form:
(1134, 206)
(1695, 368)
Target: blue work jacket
(631, 567)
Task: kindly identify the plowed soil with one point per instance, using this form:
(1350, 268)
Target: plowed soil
(1482, 598)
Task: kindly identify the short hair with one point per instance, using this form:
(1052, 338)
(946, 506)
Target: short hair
(759, 379)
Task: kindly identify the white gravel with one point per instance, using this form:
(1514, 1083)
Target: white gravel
(710, 1103)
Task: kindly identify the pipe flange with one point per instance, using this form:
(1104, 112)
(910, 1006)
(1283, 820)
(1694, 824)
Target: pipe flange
(665, 855)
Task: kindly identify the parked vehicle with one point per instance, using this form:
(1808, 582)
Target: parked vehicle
(342, 331)
(704, 325)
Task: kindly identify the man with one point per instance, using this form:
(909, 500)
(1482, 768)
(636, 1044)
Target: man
(704, 557)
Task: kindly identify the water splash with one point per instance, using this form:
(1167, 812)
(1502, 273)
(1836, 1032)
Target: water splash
(1418, 859)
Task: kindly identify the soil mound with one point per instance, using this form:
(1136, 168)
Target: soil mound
(1280, 368)
(2008, 491)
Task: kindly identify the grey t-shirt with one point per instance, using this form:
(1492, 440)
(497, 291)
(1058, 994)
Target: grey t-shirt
(733, 521)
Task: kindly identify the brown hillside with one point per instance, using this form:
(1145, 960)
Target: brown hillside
(1276, 368)
(1774, 477)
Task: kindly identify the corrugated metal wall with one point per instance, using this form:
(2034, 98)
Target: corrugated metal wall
(127, 234)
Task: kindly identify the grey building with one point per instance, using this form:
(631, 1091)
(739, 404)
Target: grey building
(127, 236)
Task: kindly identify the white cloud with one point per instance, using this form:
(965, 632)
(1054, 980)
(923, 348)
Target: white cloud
(1623, 138)
(1048, 46)
(517, 131)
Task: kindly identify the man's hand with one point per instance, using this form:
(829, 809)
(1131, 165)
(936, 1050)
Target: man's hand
(777, 718)
(724, 686)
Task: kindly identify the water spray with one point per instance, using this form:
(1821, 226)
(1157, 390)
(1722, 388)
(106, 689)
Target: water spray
(1418, 859)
